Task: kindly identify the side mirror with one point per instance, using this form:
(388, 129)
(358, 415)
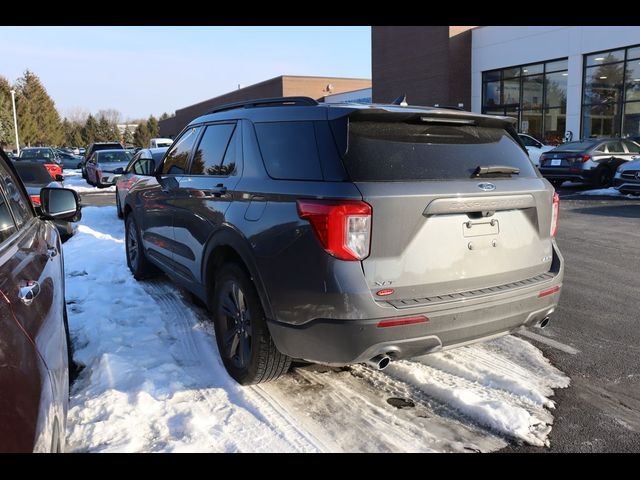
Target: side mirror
(119, 170)
(60, 204)
(59, 178)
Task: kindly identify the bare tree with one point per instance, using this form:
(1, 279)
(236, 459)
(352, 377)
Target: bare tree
(76, 115)
(110, 115)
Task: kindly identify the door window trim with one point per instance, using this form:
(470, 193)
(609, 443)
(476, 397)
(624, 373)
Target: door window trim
(206, 125)
(189, 158)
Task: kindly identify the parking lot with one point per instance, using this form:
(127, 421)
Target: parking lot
(592, 338)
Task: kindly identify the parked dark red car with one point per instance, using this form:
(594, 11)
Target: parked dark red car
(34, 336)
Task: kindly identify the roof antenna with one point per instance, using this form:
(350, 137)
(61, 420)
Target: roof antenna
(401, 100)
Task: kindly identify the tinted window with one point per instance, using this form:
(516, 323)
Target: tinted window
(632, 147)
(7, 227)
(528, 141)
(289, 150)
(615, 147)
(113, 157)
(208, 157)
(33, 173)
(230, 160)
(35, 153)
(381, 151)
(18, 203)
(178, 156)
(575, 146)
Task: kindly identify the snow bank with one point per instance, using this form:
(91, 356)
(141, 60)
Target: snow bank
(73, 180)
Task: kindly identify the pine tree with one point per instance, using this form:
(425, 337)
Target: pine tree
(38, 120)
(164, 116)
(141, 136)
(90, 130)
(7, 136)
(152, 127)
(127, 136)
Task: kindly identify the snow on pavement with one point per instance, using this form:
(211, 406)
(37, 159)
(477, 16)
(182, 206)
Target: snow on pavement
(73, 180)
(153, 380)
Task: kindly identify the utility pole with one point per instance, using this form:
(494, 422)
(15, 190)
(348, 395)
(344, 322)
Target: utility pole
(15, 121)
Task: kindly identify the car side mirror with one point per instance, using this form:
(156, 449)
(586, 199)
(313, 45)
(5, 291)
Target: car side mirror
(60, 204)
(119, 170)
(59, 178)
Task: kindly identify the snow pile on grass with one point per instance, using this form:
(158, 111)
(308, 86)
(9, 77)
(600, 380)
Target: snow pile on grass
(152, 379)
(604, 192)
(74, 181)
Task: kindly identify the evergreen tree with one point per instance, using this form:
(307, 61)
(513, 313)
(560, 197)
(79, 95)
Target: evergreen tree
(152, 127)
(7, 135)
(141, 136)
(164, 116)
(38, 120)
(127, 136)
(90, 130)
(105, 131)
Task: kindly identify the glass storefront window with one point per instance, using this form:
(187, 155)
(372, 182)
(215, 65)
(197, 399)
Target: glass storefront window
(532, 92)
(531, 123)
(492, 94)
(603, 84)
(557, 66)
(533, 69)
(511, 72)
(511, 92)
(491, 76)
(556, 90)
(632, 84)
(605, 57)
(601, 120)
(631, 120)
(633, 53)
(555, 124)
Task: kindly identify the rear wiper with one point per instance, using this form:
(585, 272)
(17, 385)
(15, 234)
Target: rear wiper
(495, 170)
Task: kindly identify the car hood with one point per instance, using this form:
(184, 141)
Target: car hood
(110, 167)
(632, 165)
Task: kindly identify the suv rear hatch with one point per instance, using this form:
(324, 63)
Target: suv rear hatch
(438, 231)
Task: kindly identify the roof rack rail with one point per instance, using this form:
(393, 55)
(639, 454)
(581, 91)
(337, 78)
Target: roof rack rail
(263, 102)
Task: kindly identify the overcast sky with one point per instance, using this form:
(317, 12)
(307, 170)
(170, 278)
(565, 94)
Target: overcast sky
(149, 70)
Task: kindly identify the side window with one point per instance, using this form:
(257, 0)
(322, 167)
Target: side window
(208, 157)
(528, 141)
(632, 147)
(177, 158)
(7, 227)
(289, 150)
(602, 148)
(231, 157)
(615, 147)
(18, 203)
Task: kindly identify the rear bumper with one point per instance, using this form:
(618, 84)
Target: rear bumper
(450, 324)
(568, 174)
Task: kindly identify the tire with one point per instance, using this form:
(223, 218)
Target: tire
(137, 261)
(245, 345)
(118, 207)
(605, 177)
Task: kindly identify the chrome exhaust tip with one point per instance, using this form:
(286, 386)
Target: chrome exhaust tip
(379, 362)
(544, 322)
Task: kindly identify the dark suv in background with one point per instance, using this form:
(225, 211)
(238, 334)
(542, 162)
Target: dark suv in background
(348, 233)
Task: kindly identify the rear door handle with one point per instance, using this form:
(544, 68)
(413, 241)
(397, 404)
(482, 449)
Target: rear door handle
(29, 292)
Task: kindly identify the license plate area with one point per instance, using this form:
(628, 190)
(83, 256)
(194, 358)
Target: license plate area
(480, 228)
(556, 162)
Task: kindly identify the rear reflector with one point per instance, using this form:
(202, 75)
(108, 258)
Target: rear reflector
(395, 322)
(35, 199)
(549, 291)
(555, 213)
(384, 292)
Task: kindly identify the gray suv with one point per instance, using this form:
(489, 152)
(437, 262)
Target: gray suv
(348, 233)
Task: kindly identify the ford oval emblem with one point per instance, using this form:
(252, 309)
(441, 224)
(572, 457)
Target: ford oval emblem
(487, 187)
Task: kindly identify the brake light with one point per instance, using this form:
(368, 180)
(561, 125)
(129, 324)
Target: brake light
(396, 322)
(555, 213)
(343, 227)
(583, 158)
(549, 291)
(54, 169)
(35, 199)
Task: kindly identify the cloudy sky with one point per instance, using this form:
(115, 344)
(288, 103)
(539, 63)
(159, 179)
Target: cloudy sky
(149, 70)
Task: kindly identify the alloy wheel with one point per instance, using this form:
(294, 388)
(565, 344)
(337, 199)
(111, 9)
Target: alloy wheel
(132, 245)
(235, 324)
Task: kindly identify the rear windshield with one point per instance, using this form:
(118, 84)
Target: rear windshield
(35, 153)
(113, 157)
(108, 146)
(396, 151)
(33, 173)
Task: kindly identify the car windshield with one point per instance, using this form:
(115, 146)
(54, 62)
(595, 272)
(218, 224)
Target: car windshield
(114, 157)
(575, 146)
(33, 173)
(35, 153)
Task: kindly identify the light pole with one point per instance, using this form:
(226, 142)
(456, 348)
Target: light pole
(15, 120)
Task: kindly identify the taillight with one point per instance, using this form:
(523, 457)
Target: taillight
(35, 199)
(343, 227)
(54, 169)
(555, 213)
(396, 322)
(583, 158)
